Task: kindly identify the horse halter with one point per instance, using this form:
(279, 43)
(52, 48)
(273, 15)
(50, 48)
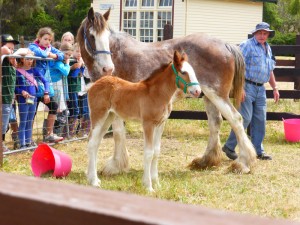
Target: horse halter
(94, 52)
(179, 79)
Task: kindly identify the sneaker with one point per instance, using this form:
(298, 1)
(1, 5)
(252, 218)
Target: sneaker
(264, 156)
(53, 138)
(229, 153)
(23, 146)
(32, 144)
(5, 149)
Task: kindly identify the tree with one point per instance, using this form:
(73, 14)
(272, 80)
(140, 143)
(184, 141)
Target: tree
(15, 12)
(285, 19)
(25, 17)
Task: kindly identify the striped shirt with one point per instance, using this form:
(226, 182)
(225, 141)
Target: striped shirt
(259, 63)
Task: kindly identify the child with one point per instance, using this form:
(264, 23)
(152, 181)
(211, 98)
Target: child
(83, 105)
(42, 48)
(67, 37)
(74, 86)
(26, 89)
(59, 71)
(8, 81)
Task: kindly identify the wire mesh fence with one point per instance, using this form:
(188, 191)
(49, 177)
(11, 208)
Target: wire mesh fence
(28, 119)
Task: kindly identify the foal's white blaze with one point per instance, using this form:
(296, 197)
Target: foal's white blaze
(194, 90)
(103, 61)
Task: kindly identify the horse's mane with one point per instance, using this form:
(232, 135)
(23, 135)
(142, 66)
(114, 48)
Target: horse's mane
(98, 24)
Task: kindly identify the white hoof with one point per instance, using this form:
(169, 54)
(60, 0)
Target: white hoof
(150, 190)
(95, 182)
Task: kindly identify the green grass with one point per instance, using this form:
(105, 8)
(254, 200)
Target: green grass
(272, 189)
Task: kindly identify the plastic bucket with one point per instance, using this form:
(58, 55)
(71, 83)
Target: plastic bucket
(292, 129)
(46, 158)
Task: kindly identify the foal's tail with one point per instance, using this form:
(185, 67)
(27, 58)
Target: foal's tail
(239, 74)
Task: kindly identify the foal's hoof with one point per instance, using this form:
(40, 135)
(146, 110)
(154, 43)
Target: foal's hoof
(150, 190)
(95, 182)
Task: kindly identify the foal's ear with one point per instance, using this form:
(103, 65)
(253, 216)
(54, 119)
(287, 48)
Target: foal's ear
(106, 15)
(91, 15)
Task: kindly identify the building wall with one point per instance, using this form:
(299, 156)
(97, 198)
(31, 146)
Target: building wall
(114, 18)
(180, 18)
(230, 20)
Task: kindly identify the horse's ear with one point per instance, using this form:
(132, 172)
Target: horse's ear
(91, 15)
(176, 58)
(106, 15)
(184, 57)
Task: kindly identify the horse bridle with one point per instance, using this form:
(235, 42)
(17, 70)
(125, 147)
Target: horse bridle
(180, 79)
(94, 52)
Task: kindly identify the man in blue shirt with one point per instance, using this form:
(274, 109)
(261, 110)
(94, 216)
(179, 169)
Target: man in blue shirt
(260, 64)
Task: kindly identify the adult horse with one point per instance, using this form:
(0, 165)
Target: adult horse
(219, 68)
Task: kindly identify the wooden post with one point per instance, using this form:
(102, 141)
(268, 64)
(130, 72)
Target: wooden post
(22, 42)
(168, 32)
(297, 64)
(1, 146)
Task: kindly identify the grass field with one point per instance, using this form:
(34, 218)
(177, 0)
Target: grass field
(272, 189)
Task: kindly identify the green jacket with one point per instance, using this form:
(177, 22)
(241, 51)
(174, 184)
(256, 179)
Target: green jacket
(8, 82)
(74, 80)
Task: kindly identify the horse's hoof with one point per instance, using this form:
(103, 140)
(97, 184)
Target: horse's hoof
(95, 182)
(238, 167)
(150, 190)
(196, 164)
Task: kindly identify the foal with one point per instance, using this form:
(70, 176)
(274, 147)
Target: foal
(148, 101)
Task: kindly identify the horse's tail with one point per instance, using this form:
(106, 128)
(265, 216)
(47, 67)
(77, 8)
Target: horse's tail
(239, 75)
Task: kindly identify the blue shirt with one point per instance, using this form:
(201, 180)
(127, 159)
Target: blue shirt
(58, 69)
(259, 62)
(43, 53)
(23, 84)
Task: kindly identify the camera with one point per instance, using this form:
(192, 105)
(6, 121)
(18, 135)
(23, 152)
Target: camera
(30, 100)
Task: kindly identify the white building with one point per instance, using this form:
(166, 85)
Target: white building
(230, 20)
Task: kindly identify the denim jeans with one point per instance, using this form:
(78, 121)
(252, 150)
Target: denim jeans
(6, 109)
(253, 111)
(26, 112)
(73, 105)
(83, 107)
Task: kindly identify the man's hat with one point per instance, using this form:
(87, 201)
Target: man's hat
(264, 26)
(8, 38)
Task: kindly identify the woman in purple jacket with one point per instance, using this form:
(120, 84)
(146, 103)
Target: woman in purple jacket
(26, 89)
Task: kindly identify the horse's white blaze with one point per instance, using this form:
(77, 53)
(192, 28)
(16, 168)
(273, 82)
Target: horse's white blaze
(102, 44)
(186, 67)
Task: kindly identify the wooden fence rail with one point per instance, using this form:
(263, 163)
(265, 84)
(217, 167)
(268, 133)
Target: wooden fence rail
(33, 201)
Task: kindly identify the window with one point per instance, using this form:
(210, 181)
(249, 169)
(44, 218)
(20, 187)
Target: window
(130, 3)
(145, 19)
(129, 23)
(147, 3)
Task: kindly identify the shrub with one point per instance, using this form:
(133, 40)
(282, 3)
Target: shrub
(283, 39)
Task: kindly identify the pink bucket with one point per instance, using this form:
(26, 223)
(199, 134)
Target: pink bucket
(46, 158)
(292, 129)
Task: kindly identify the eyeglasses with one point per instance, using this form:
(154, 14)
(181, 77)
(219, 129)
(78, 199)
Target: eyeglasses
(29, 59)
